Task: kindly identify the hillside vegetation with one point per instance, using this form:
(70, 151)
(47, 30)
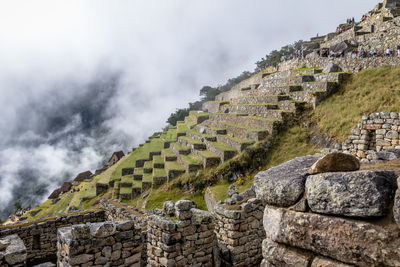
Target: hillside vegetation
(363, 93)
(369, 91)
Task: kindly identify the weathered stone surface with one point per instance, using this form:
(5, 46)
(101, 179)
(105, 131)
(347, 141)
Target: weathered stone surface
(284, 185)
(169, 208)
(281, 255)
(15, 252)
(102, 229)
(349, 241)
(232, 190)
(390, 154)
(335, 162)
(183, 205)
(358, 194)
(331, 67)
(324, 262)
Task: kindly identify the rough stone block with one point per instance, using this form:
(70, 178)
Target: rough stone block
(335, 162)
(348, 241)
(358, 194)
(284, 185)
(281, 255)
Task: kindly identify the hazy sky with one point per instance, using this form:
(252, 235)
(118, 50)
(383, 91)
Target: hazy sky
(79, 79)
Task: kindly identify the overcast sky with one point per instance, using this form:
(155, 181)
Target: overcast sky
(79, 79)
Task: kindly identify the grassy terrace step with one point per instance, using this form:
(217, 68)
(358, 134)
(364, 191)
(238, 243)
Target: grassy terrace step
(170, 135)
(147, 181)
(190, 123)
(240, 131)
(158, 162)
(126, 181)
(237, 143)
(194, 134)
(148, 167)
(190, 162)
(177, 148)
(252, 122)
(146, 152)
(192, 143)
(208, 158)
(125, 192)
(259, 99)
(138, 174)
(181, 128)
(198, 116)
(292, 105)
(168, 155)
(223, 151)
(174, 169)
(159, 176)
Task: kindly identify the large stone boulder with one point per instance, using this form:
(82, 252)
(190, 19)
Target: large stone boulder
(335, 162)
(331, 67)
(357, 194)
(348, 241)
(324, 262)
(283, 185)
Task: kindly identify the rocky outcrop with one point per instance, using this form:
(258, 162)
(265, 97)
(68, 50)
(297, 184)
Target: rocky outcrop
(356, 194)
(335, 162)
(283, 185)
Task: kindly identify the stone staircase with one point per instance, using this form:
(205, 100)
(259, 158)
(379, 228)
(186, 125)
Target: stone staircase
(226, 127)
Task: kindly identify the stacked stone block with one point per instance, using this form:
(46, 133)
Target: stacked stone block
(40, 238)
(187, 241)
(12, 251)
(325, 219)
(106, 244)
(239, 233)
(376, 132)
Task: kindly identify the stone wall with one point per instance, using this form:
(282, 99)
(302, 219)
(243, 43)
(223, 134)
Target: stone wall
(187, 241)
(346, 64)
(40, 238)
(122, 212)
(104, 244)
(329, 218)
(239, 233)
(376, 132)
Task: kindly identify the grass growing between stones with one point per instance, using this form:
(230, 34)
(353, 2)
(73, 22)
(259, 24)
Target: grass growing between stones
(366, 92)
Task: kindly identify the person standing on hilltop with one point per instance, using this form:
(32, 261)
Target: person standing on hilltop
(388, 52)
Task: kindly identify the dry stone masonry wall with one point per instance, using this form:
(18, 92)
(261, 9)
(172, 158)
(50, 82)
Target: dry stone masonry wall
(12, 251)
(328, 218)
(187, 241)
(376, 132)
(40, 238)
(100, 244)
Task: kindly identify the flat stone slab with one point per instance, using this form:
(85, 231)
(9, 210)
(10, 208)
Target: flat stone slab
(283, 185)
(324, 262)
(348, 241)
(355, 194)
(335, 162)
